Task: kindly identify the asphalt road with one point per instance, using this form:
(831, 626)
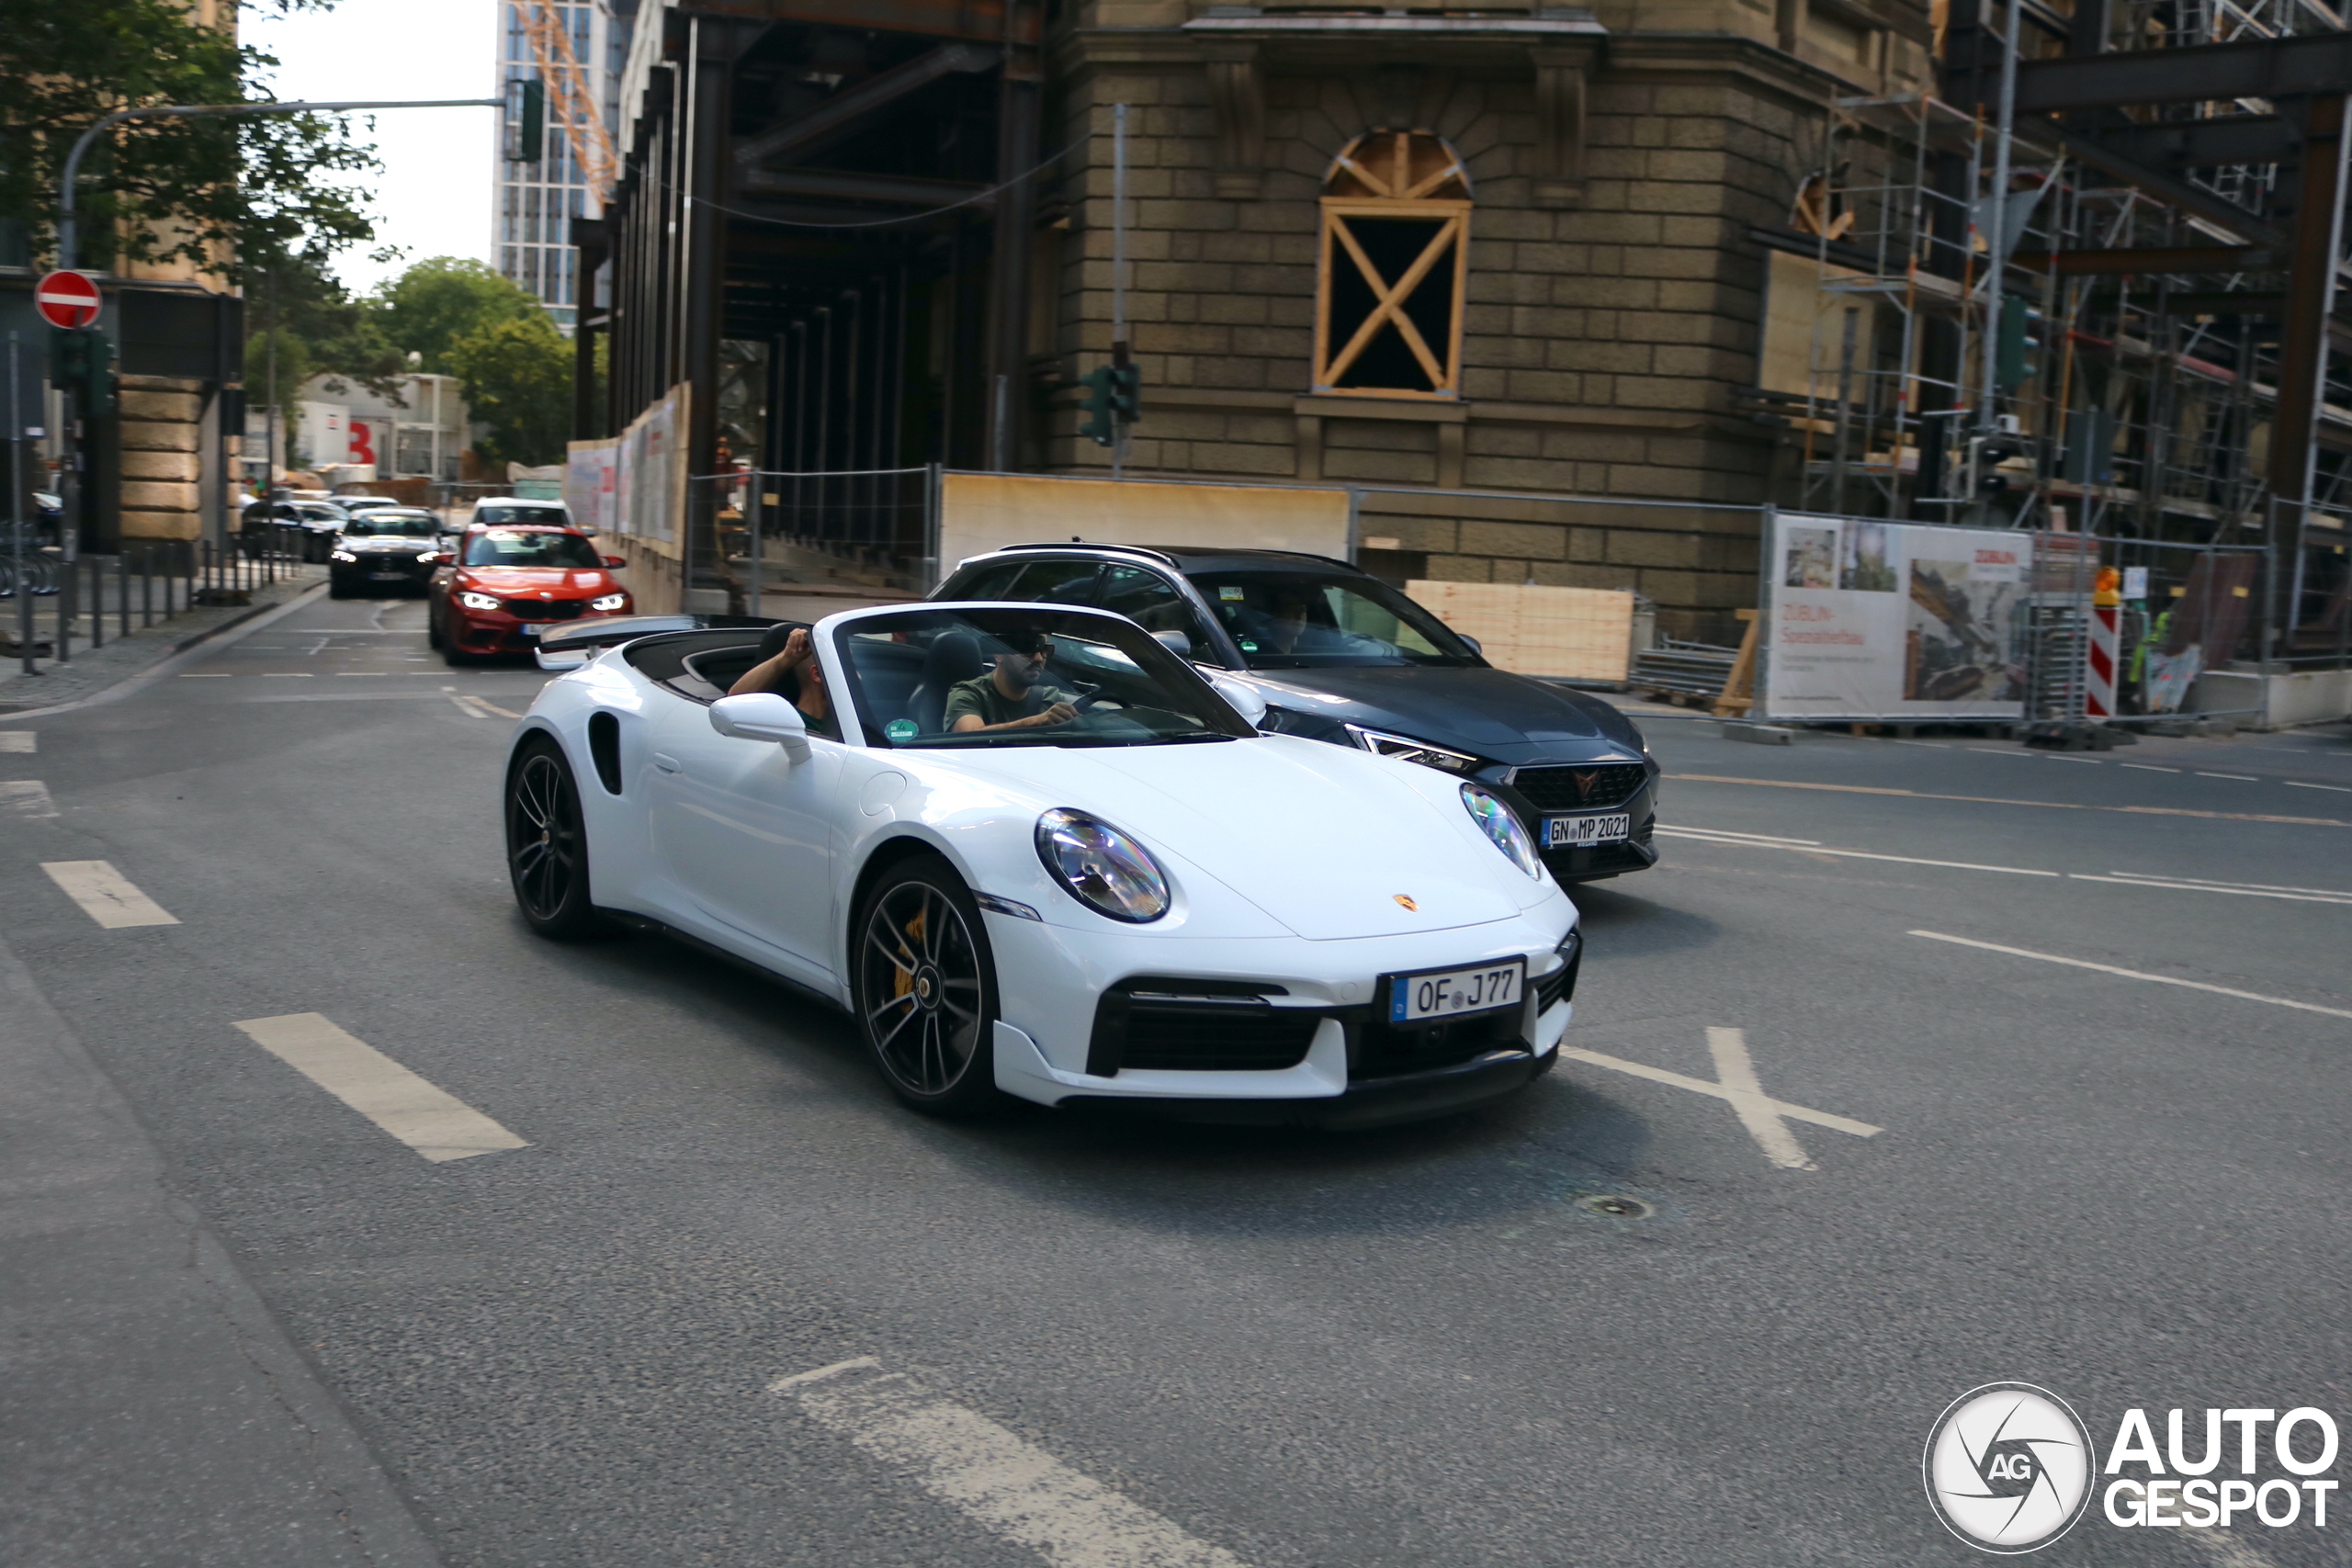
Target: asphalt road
(1421, 1347)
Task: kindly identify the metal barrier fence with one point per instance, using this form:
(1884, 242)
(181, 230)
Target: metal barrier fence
(873, 520)
(94, 598)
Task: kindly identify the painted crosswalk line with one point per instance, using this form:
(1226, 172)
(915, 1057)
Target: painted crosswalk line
(105, 895)
(428, 1119)
(27, 798)
(19, 741)
(996, 1478)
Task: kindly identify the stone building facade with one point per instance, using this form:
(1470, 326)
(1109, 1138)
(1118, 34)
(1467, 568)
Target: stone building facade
(1619, 165)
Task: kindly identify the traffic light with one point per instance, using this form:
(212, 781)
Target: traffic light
(81, 361)
(526, 120)
(1126, 393)
(1102, 401)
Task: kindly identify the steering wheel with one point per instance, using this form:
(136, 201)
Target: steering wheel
(1082, 698)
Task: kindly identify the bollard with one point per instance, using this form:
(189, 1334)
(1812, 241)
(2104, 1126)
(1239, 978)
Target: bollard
(146, 587)
(97, 604)
(122, 589)
(65, 610)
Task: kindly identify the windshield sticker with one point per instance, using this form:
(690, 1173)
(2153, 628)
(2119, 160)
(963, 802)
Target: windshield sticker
(1231, 594)
(902, 729)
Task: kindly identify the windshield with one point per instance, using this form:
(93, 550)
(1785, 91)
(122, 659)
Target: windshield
(985, 678)
(512, 547)
(378, 523)
(550, 516)
(1296, 620)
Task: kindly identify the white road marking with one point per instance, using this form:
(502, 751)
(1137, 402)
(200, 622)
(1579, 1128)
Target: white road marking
(1738, 1076)
(210, 675)
(429, 1120)
(1996, 752)
(1802, 847)
(2094, 762)
(486, 702)
(2137, 975)
(288, 675)
(27, 798)
(2184, 885)
(2298, 783)
(996, 1478)
(2226, 1550)
(19, 741)
(353, 674)
(2235, 778)
(1701, 1086)
(1938, 745)
(2263, 887)
(105, 895)
(1743, 837)
(2146, 768)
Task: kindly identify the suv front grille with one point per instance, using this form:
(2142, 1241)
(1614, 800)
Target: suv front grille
(1571, 787)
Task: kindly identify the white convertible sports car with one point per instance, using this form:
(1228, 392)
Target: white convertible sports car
(1034, 853)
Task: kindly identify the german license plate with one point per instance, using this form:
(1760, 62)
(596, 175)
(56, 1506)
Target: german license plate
(1448, 993)
(1581, 832)
(388, 577)
(527, 630)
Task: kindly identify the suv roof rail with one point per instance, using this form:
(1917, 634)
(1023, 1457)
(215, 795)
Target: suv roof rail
(1088, 544)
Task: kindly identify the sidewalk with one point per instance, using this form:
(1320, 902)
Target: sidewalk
(92, 671)
(157, 1412)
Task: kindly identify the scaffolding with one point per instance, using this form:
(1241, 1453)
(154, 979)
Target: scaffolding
(2082, 351)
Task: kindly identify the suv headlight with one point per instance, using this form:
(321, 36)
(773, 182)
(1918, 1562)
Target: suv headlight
(1104, 869)
(1501, 824)
(342, 555)
(1406, 749)
(610, 602)
(477, 600)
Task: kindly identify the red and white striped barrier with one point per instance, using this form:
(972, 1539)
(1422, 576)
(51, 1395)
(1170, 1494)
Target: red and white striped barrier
(2098, 685)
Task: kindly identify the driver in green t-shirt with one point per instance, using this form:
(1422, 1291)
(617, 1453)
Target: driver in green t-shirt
(999, 699)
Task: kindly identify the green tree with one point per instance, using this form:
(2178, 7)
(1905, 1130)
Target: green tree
(436, 302)
(518, 381)
(190, 189)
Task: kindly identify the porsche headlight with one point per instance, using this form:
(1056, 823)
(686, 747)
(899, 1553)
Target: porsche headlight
(477, 600)
(342, 555)
(1406, 749)
(1501, 824)
(1104, 869)
(610, 602)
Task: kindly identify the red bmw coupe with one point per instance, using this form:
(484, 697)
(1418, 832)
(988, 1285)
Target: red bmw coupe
(502, 587)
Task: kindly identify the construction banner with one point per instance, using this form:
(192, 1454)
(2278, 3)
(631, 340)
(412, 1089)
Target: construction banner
(1893, 620)
(590, 493)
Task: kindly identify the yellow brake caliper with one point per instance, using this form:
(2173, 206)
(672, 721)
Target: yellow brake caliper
(904, 980)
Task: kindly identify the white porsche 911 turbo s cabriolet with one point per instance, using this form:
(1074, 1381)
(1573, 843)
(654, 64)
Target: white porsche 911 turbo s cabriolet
(1034, 853)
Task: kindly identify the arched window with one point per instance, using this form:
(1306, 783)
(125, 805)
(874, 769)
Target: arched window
(1388, 304)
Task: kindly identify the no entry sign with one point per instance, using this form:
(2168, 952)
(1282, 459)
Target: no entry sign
(67, 299)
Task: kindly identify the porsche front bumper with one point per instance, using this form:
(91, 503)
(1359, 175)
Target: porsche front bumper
(1356, 1069)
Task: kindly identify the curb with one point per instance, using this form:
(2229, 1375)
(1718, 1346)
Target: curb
(134, 677)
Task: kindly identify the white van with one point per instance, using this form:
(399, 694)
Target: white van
(504, 510)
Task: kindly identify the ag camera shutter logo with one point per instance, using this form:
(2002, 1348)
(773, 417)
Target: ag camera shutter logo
(2008, 1468)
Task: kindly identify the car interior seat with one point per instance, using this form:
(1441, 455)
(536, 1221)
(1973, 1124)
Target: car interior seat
(953, 657)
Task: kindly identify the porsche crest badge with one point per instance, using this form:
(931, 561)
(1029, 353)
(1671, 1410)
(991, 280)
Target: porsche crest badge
(1407, 900)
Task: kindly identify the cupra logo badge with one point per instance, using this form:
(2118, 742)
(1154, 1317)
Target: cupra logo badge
(1405, 899)
(2008, 1468)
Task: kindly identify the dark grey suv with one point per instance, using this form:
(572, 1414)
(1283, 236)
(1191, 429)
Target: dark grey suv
(1340, 656)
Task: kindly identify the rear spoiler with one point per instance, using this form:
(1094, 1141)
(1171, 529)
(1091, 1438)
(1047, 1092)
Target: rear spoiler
(576, 644)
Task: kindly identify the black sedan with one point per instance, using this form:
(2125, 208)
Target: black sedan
(277, 523)
(385, 546)
(1340, 656)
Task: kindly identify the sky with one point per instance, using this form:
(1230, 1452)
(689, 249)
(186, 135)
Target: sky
(434, 197)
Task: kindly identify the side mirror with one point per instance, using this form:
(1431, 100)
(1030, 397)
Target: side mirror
(613, 562)
(1472, 643)
(562, 658)
(446, 557)
(762, 715)
(1176, 643)
(1241, 697)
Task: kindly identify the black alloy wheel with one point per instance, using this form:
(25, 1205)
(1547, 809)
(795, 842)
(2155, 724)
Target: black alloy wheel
(546, 846)
(926, 989)
(432, 627)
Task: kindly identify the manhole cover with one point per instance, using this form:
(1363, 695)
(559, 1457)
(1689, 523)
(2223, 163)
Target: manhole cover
(1610, 1206)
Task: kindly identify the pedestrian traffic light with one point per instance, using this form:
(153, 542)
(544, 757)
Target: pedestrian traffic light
(1101, 427)
(81, 361)
(526, 120)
